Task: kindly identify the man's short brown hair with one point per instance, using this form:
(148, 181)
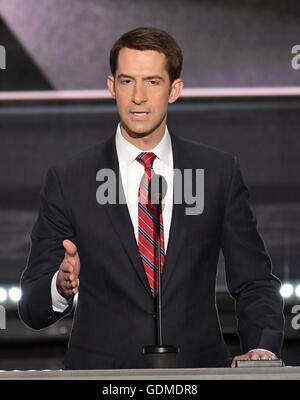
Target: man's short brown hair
(148, 38)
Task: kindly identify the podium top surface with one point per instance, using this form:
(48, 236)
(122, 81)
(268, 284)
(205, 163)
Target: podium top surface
(258, 373)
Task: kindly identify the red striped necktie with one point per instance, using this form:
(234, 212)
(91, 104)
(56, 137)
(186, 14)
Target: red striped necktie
(147, 237)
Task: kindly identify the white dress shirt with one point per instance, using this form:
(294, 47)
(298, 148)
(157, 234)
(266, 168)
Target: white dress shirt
(131, 172)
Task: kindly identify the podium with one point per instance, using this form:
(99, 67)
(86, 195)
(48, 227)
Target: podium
(280, 373)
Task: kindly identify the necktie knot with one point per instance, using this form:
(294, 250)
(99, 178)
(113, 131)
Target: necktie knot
(146, 159)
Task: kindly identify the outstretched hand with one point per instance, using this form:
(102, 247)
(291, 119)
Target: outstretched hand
(67, 277)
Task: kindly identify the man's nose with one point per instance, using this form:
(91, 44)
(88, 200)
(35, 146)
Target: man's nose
(139, 94)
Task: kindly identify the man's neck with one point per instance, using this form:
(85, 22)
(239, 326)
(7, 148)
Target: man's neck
(145, 142)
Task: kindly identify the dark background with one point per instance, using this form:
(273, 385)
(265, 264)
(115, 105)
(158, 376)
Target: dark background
(54, 45)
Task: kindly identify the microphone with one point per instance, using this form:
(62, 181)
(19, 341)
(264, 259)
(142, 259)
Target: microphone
(157, 188)
(159, 355)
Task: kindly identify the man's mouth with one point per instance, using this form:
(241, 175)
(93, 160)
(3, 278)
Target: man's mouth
(139, 115)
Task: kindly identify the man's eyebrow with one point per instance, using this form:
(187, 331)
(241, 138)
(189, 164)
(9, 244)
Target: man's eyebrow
(124, 76)
(154, 77)
(146, 78)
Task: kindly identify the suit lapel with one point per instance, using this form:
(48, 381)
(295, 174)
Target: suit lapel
(177, 228)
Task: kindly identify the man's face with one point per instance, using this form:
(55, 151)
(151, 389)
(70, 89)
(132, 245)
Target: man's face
(142, 90)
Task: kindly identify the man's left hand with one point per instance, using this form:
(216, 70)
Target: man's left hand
(254, 355)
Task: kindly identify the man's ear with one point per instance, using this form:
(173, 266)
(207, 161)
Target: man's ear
(111, 85)
(175, 90)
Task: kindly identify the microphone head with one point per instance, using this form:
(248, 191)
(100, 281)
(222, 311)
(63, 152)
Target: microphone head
(157, 188)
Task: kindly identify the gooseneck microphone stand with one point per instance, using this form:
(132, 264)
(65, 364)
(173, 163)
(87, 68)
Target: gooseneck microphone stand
(158, 302)
(159, 355)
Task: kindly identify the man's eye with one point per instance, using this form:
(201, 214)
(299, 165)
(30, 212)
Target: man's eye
(125, 81)
(153, 83)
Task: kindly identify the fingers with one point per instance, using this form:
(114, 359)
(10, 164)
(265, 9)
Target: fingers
(254, 355)
(257, 356)
(70, 247)
(68, 293)
(67, 280)
(67, 284)
(265, 356)
(67, 266)
(240, 357)
(67, 277)
(261, 355)
(71, 257)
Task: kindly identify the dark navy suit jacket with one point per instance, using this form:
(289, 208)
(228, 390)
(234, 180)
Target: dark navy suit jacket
(115, 315)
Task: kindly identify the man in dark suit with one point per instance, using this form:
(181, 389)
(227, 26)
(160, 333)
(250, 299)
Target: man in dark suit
(107, 251)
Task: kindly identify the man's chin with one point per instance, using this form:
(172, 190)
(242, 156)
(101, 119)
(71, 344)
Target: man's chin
(138, 130)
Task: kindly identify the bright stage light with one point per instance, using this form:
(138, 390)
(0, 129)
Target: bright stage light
(3, 295)
(297, 290)
(286, 290)
(15, 294)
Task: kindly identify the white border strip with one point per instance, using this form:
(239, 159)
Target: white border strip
(203, 93)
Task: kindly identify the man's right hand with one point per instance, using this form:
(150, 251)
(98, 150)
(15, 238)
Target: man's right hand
(67, 277)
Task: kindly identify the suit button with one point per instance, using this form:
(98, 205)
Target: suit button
(154, 315)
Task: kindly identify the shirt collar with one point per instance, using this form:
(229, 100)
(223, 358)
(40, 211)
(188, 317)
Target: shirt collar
(127, 152)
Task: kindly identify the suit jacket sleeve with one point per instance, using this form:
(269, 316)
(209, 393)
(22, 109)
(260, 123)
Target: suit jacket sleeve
(248, 269)
(53, 225)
